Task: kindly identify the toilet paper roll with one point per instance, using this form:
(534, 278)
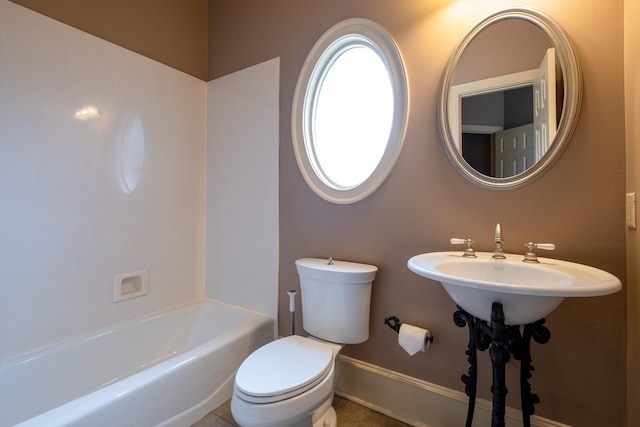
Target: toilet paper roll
(412, 338)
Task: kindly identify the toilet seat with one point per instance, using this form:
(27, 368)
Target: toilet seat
(283, 369)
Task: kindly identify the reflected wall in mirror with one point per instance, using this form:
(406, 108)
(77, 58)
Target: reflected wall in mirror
(510, 99)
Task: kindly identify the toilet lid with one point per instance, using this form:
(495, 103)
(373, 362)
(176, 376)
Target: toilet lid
(283, 368)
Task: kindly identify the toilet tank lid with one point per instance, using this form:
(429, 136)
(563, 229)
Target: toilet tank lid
(336, 271)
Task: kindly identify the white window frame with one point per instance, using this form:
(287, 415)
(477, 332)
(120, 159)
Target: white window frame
(360, 32)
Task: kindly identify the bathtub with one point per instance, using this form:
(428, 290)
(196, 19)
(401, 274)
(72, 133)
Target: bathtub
(167, 369)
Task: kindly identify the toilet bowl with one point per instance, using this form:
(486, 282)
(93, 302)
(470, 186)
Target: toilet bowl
(285, 382)
(290, 381)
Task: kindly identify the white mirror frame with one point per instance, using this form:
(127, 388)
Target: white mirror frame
(572, 79)
(379, 40)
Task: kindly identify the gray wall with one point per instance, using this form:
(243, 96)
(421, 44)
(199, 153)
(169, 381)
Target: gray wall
(578, 205)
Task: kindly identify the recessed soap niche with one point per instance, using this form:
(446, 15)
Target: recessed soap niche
(130, 285)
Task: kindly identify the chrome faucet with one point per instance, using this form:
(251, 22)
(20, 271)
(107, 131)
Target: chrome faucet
(498, 253)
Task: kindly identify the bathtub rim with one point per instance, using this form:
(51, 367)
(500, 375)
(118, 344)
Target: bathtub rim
(28, 355)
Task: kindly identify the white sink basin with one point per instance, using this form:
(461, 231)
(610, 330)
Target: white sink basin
(528, 292)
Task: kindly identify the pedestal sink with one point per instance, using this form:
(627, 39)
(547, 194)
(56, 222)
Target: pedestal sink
(496, 297)
(527, 291)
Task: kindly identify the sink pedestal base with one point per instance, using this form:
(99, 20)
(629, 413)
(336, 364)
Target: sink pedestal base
(502, 341)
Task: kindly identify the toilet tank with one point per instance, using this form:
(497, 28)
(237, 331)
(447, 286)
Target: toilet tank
(336, 297)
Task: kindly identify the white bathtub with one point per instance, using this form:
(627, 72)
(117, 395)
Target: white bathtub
(167, 369)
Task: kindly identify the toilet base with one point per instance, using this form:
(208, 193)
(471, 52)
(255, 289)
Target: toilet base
(322, 416)
(283, 414)
(328, 419)
(325, 415)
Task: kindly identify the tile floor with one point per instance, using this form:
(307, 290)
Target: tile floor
(349, 415)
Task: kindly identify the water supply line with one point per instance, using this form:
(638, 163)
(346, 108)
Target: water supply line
(292, 310)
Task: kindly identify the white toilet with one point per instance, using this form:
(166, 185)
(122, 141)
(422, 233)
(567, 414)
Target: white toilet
(290, 381)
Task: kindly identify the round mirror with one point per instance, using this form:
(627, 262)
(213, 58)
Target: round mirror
(510, 99)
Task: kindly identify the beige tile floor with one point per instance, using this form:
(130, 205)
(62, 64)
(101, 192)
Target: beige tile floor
(349, 415)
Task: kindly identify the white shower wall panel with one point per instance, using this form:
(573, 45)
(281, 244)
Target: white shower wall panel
(242, 187)
(102, 173)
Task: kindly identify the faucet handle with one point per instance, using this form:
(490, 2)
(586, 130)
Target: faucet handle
(468, 252)
(530, 256)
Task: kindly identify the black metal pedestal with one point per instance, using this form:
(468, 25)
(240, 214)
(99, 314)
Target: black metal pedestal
(502, 340)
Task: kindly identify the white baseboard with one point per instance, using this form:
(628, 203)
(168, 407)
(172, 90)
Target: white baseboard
(416, 402)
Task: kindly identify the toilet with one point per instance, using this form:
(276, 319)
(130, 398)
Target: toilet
(290, 381)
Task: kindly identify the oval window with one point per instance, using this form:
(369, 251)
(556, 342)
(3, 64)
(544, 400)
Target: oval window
(350, 111)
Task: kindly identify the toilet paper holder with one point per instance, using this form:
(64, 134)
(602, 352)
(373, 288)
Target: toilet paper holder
(394, 323)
